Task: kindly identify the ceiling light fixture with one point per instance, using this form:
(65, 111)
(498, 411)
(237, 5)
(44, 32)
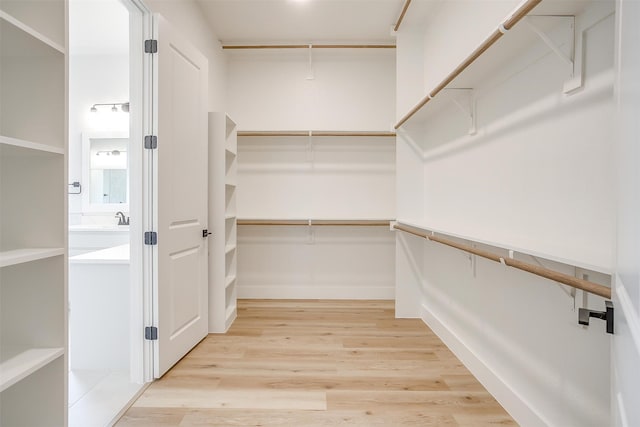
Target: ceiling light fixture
(124, 106)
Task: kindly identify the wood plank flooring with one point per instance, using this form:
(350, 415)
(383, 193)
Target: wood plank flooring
(318, 363)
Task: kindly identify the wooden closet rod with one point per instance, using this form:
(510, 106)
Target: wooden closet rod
(404, 12)
(520, 13)
(316, 133)
(310, 45)
(556, 276)
(317, 222)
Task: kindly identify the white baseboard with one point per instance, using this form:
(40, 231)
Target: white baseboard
(316, 292)
(500, 389)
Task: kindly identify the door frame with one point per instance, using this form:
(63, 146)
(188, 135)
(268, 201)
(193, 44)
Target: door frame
(141, 101)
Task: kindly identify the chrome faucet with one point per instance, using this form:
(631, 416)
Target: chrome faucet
(121, 219)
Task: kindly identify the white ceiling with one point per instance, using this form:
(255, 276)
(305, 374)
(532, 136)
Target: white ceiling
(302, 21)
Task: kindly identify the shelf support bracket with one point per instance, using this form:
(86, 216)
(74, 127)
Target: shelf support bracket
(311, 75)
(467, 104)
(572, 61)
(311, 239)
(310, 156)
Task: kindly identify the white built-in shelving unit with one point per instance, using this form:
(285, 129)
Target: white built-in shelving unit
(223, 169)
(33, 284)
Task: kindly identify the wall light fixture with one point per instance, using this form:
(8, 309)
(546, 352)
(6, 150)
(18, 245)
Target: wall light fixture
(124, 106)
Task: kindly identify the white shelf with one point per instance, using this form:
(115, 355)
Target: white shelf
(503, 245)
(497, 57)
(7, 142)
(229, 216)
(230, 281)
(229, 248)
(230, 185)
(30, 31)
(19, 256)
(25, 363)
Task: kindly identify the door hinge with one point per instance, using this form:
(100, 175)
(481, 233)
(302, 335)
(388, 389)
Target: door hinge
(150, 238)
(151, 46)
(150, 142)
(151, 333)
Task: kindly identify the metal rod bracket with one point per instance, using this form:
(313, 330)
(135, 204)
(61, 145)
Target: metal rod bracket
(584, 314)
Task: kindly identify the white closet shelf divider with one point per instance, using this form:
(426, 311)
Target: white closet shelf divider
(19, 256)
(230, 281)
(18, 146)
(32, 32)
(24, 363)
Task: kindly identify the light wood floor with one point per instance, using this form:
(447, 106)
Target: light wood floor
(318, 363)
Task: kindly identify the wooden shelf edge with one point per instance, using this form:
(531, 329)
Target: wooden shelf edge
(31, 31)
(29, 145)
(20, 256)
(25, 363)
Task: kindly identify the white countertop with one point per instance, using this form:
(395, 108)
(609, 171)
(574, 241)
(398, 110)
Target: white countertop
(113, 255)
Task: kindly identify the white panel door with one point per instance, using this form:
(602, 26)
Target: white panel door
(625, 358)
(181, 197)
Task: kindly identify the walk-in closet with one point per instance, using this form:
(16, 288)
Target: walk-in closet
(357, 212)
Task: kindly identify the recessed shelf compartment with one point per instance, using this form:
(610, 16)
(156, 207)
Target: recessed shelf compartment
(231, 280)
(31, 68)
(9, 16)
(21, 364)
(19, 256)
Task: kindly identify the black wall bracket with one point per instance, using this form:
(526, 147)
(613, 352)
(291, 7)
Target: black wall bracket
(584, 314)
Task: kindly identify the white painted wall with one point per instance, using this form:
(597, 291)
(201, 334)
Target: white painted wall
(351, 89)
(331, 178)
(538, 175)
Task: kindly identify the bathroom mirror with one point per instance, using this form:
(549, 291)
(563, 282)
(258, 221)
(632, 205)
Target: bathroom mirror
(105, 172)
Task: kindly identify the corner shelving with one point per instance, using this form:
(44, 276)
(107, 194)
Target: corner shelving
(223, 169)
(33, 289)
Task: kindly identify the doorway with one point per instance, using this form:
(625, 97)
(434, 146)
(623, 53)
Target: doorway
(106, 366)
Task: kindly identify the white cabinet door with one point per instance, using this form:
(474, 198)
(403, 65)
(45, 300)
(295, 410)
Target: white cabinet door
(182, 271)
(625, 358)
